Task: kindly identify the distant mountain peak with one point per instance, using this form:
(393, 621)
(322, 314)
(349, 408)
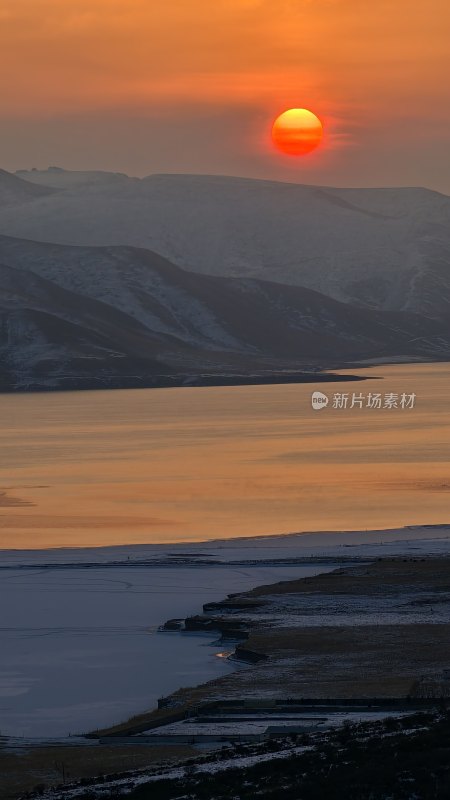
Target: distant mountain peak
(15, 191)
(60, 178)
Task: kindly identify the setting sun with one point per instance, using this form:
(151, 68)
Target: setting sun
(297, 131)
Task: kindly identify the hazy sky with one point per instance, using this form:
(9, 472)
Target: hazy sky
(145, 86)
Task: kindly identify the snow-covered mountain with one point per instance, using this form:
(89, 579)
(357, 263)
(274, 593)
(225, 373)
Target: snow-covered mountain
(376, 248)
(15, 192)
(86, 316)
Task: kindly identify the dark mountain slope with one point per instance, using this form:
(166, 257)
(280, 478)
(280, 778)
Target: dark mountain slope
(125, 314)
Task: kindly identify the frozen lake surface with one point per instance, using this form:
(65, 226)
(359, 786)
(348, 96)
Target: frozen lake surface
(80, 647)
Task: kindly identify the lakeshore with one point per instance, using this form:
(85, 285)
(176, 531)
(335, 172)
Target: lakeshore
(333, 636)
(357, 645)
(78, 623)
(180, 380)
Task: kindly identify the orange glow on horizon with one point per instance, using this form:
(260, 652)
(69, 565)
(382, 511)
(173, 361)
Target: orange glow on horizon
(297, 132)
(60, 57)
(141, 87)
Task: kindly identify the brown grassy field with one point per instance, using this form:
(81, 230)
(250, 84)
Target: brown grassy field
(379, 577)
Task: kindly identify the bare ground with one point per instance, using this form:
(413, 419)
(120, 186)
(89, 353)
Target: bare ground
(22, 771)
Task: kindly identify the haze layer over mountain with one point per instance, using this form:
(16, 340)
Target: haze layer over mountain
(379, 248)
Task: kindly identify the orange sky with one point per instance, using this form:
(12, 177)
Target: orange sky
(376, 72)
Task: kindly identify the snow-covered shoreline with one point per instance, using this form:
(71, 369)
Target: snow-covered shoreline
(79, 635)
(429, 539)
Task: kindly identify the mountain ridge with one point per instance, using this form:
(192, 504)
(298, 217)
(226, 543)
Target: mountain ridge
(386, 249)
(36, 175)
(96, 316)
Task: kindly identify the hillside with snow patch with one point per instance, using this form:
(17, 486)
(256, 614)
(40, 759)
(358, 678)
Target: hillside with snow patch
(385, 249)
(79, 316)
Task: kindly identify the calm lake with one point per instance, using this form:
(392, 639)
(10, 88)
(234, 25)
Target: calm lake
(111, 467)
